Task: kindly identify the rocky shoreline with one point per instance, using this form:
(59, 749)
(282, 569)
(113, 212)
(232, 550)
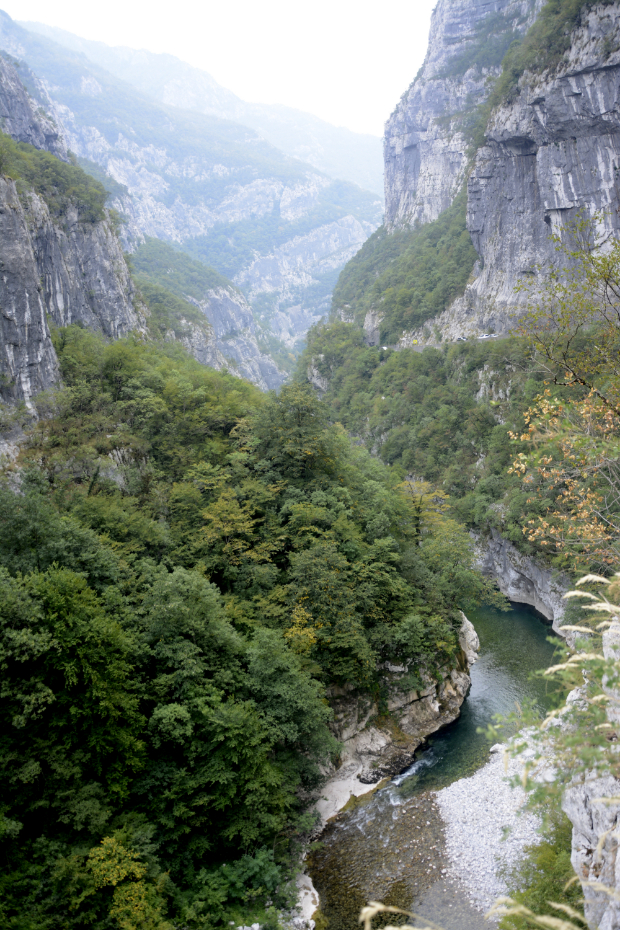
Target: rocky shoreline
(486, 827)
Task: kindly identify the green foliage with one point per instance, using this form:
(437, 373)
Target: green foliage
(542, 47)
(169, 313)
(162, 264)
(409, 276)
(543, 874)
(187, 566)
(59, 184)
(111, 185)
(420, 412)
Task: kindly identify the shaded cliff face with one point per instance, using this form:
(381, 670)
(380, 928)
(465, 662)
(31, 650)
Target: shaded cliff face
(425, 144)
(234, 344)
(70, 272)
(551, 154)
(56, 269)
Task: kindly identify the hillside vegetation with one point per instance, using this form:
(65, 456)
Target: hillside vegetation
(408, 276)
(61, 185)
(188, 566)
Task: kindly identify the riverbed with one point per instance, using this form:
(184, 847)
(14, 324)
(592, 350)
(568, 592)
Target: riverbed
(392, 846)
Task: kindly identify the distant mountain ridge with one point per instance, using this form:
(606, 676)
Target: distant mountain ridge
(280, 229)
(337, 151)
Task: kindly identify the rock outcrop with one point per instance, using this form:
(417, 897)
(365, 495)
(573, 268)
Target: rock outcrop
(20, 116)
(71, 272)
(234, 340)
(593, 809)
(375, 747)
(425, 146)
(551, 153)
(522, 579)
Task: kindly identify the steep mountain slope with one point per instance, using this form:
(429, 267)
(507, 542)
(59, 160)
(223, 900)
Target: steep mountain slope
(505, 151)
(62, 263)
(338, 152)
(272, 224)
(426, 137)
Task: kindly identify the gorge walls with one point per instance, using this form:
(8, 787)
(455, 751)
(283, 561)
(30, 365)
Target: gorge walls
(550, 153)
(425, 144)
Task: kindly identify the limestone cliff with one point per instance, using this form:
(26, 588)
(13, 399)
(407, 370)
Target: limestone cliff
(425, 145)
(67, 272)
(551, 152)
(234, 342)
(20, 116)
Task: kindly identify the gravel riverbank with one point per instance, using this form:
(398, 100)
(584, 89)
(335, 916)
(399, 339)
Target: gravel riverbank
(486, 828)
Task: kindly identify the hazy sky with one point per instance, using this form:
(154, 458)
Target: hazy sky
(347, 61)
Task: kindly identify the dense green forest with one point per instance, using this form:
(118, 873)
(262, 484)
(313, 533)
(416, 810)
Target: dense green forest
(186, 566)
(444, 415)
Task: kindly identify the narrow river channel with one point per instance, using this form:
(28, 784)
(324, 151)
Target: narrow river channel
(390, 848)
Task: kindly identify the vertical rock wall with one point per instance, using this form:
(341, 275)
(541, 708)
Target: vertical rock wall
(66, 271)
(425, 146)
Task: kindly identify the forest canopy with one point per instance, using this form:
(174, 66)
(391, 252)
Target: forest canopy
(187, 566)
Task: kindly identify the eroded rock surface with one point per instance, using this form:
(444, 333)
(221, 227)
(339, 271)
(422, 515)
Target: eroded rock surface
(72, 272)
(375, 747)
(523, 579)
(425, 148)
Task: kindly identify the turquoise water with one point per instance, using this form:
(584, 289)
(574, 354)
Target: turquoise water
(390, 849)
(513, 646)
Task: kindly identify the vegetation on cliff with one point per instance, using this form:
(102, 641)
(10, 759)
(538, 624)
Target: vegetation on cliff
(59, 183)
(409, 276)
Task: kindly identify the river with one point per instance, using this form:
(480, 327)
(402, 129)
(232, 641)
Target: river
(390, 847)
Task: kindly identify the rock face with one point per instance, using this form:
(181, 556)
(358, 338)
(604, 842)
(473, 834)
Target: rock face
(51, 267)
(21, 120)
(374, 750)
(552, 152)
(522, 579)
(72, 272)
(595, 845)
(425, 148)
(235, 345)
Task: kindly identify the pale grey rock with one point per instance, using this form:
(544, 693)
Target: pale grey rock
(73, 273)
(235, 344)
(593, 808)
(21, 117)
(288, 271)
(486, 827)
(371, 752)
(469, 641)
(372, 323)
(424, 148)
(316, 379)
(552, 153)
(523, 579)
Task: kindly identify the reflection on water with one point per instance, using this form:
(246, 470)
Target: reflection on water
(391, 848)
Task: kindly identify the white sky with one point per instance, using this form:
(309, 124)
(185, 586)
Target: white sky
(347, 61)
